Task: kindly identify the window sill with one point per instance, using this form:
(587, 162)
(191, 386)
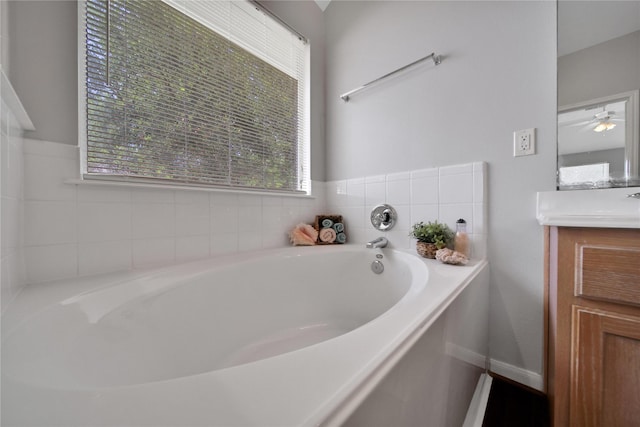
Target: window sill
(131, 184)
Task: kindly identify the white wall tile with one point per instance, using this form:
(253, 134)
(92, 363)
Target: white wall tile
(449, 214)
(158, 251)
(101, 222)
(479, 223)
(354, 217)
(12, 277)
(355, 192)
(49, 223)
(14, 168)
(375, 190)
(144, 195)
(192, 248)
(424, 213)
(272, 218)
(223, 199)
(456, 169)
(399, 192)
(191, 197)
(224, 243)
(444, 194)
(45, 176)
(479, 186)
(12, 212)
(249, 241)
(112, 228)
(336, 193)
(52, 262)
(272, 201)
(151, 220)
(249, 219)
(249, 200)
(5, 284)
(275, 240)
(424, 187)
(224, 219)
(192, 219)
(399, 235)
(292, 215)
(456, 188)
(104, 257)
(100, 193)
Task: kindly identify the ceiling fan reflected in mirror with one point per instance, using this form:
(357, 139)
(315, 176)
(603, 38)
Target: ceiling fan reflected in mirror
(605, 121)
(598, 122)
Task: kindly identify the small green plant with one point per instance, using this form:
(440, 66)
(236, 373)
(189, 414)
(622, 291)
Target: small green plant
(432, 232)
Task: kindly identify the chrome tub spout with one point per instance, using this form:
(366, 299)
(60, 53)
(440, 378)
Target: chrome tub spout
(380, 242)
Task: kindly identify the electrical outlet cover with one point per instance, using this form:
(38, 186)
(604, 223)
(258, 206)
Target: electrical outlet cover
(524, 142)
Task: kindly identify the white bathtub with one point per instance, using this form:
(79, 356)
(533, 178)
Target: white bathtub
(298, 336)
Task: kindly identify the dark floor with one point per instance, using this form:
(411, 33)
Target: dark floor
(514, 405)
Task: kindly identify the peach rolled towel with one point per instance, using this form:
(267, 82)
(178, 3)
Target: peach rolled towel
(328, 235)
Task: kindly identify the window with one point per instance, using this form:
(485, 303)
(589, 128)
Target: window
(200, 92)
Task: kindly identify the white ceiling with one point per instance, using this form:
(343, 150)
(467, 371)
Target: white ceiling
(586, 23)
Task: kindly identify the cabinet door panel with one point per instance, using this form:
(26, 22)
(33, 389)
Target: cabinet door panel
(605, 369)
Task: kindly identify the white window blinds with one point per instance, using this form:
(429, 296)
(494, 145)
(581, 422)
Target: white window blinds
(199, 92)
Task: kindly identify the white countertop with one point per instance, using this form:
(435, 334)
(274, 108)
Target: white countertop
(607, 208)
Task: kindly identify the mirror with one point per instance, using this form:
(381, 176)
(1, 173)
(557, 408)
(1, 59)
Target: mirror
(597, 142)
(598, 82)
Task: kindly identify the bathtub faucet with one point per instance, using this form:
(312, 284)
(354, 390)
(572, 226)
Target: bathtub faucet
(380, 242)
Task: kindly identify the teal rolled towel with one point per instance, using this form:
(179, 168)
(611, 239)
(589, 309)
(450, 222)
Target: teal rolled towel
(327, 223)
(339, 227)
(341, 238)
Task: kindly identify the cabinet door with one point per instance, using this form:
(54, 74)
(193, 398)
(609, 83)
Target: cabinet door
(605, 369)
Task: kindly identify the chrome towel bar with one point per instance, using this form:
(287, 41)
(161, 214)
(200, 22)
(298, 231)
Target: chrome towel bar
(436, 60)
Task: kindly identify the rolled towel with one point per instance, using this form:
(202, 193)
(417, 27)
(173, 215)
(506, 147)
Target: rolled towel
(339, 227)
(341, 237)
(328, 235)
(327, 223)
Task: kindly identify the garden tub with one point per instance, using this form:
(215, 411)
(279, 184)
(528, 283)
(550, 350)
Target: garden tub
(286, 337)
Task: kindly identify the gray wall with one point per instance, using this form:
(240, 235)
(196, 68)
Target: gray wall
(43, 67)
(498, 75)
(601, 70)
(4, 36)
(615, 158)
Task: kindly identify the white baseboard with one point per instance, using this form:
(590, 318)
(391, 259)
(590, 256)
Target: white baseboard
(466, 355)
(478, 405)
(519, 375)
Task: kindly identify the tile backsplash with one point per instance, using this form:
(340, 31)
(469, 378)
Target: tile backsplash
(84, 229)
(444, 194)
(12, 267)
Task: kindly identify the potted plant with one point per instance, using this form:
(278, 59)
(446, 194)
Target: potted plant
(431, 237)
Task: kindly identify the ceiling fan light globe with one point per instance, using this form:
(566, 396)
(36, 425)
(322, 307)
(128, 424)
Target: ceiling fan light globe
(600, 127)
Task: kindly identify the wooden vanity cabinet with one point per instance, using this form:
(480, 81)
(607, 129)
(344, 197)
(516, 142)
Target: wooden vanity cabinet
(593, 367)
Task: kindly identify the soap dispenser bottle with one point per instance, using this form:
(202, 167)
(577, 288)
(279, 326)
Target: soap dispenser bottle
(461, 241)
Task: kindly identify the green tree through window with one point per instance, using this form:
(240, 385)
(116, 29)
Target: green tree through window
(169, 98)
